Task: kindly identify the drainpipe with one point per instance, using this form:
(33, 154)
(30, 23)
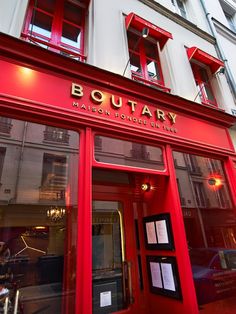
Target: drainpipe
(220, 51)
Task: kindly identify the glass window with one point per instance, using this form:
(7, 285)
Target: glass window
(180, 7)
(144, 59)
(59, 23)
(5, 125)
(230, 20)
(38, 199)
(56, 135)
(210, 226)
(202, 80)
(120, 152)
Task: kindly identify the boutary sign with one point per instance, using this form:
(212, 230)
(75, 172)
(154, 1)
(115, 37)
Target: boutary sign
(101, 100)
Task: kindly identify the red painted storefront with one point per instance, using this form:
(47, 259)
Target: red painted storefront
(43, 87)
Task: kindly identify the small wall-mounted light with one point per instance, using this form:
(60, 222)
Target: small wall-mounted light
(145, 32)
(145, 187)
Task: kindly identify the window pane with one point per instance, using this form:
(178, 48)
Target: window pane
(210, 226)
(38, 218)
(133, 41)
(204, 75)
(209, 94)
(72, 13)
(71, 35)
(114, 151)
(181, 8)
(42, 24)
(135, 65)
(153, 71)
(48, 5)
(151, 50)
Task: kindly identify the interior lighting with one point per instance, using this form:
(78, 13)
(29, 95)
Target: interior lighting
(40, 228)
(56, 213)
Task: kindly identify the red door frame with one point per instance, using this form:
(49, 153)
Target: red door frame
(129, 232)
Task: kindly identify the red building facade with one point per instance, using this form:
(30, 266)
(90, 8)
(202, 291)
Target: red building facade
(141, 184)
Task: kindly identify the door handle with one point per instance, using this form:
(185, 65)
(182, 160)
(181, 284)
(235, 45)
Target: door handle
(130, 287)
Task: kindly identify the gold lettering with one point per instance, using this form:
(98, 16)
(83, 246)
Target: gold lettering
(75, 104)
(97, 96)
(172, 116)
(76, 90)
(119, 105)
(133, 104)
(160, 115)
(146, 111)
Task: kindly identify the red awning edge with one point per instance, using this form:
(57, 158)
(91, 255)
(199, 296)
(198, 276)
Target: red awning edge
(205, 58)
(135, 21)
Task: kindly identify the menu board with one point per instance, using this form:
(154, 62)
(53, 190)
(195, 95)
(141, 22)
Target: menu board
(163, 276)
(158, 232)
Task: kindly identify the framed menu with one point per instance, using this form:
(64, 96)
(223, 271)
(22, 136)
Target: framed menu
(163, 276)
(158, 232)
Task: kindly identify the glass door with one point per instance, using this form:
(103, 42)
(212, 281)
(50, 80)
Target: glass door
(109, 266)
(116, 269)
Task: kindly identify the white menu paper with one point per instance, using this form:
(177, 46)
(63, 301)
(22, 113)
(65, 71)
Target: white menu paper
(167, 275)
(162, 234)
(105, 298)
(151, 233)
(156, 275)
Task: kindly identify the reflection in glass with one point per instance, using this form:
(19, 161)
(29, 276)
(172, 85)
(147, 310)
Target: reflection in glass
(37, 183)
(42, 24)
(107, 257)
(71, 35)
(210, 225)
(120, 152)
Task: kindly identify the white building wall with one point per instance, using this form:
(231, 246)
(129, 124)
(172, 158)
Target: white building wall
(12, 14)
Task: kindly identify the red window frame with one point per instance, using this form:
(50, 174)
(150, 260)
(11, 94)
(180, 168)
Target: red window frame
(203, 84)
(54, 41)
(138, 50)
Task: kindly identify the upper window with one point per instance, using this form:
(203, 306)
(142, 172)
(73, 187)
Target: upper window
(229, 12)
(57, 25)
(56, 135)
(5, 125)
(204, 64)
(180, 7)
(202, 80)
(144, 59)
(230, 19)
(145, 41)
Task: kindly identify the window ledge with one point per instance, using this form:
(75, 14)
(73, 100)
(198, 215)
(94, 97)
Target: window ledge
(151, 83)
(61, 50)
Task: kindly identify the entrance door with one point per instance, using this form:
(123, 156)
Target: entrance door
(117, 282)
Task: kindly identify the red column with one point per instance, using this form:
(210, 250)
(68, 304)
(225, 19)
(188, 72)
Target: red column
(84, 244)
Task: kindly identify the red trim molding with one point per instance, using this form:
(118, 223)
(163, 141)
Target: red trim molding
(135, 21)
(205, 58)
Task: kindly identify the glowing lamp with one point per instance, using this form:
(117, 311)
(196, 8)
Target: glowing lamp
(214, 181)
(145, 187)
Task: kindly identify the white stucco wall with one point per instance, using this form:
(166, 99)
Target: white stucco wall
(12, 14)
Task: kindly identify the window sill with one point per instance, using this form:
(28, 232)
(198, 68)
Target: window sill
(151, 83)
(58, 49)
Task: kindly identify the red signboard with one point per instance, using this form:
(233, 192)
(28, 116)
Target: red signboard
(104, 106)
